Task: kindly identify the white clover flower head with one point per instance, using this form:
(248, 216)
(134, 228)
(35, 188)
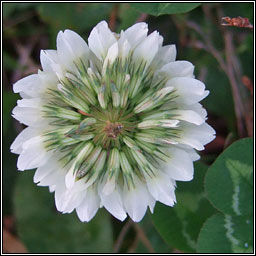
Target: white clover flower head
(113, 123)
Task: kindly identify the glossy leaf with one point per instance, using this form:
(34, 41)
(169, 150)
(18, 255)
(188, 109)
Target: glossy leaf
(226, 234)
(179, 226)
(158, 9)
(76, 16)
(229, 181)
(127, 16)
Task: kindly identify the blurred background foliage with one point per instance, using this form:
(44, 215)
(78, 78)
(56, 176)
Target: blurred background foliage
(223, 59)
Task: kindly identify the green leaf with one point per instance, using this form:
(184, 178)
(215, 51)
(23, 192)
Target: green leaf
(127, 16)
(80, 17)
(158, 9)
(229, 181)
(179, 226)
(44, 230)
(76, 16)
(229, 185)
(226, 234)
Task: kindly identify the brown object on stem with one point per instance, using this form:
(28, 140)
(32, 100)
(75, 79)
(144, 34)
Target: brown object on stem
(230, 65)
(249, 105)
(248, 84)
(237, 22)
(142, 17)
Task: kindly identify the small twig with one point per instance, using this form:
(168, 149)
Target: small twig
(14, 22)
(113, 16)
(229, 139)
(122, 235)
(143, 237)
(234, 76)
(239, 107)
(134, 245)
(248, 84)
(202, 74)
(142, 17)
(249, 105)
(24, 52)
(230, 67)
(209, 46)
(11, 244)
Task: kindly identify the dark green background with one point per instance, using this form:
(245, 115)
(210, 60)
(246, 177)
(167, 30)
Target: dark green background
(29, 27)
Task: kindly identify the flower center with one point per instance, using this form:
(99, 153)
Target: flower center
(112, 130)
(115, 122)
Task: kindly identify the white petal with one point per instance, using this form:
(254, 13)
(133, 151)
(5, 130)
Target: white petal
(52, 178)
(124, 49)
(25, 135)
(194, 113)
(52, 188)
(79, 47)
(111, 56)
(52, 55)
(165, 55)
(189, 116)
(136, 200)
(112, 53)
(100, 39)
(30, 103)
(109, 187)
(196, 136)
(160, 41)
(161, 188)
(31, 85)
(48, 81)
(89, 206)
(33, 154)
(70, 177)
(134, 34)
(179, 68)
(198, 108)
(147, 49)
(25, 96)
(151, 203)
(194, 156)
(113, 203)
(45, 62)
(180, 166)
(189, 90)
(71, 48)
(73, 197)
(28, 116)
(46, 169)
(47, 59)
(60, 191)
(65, 53)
